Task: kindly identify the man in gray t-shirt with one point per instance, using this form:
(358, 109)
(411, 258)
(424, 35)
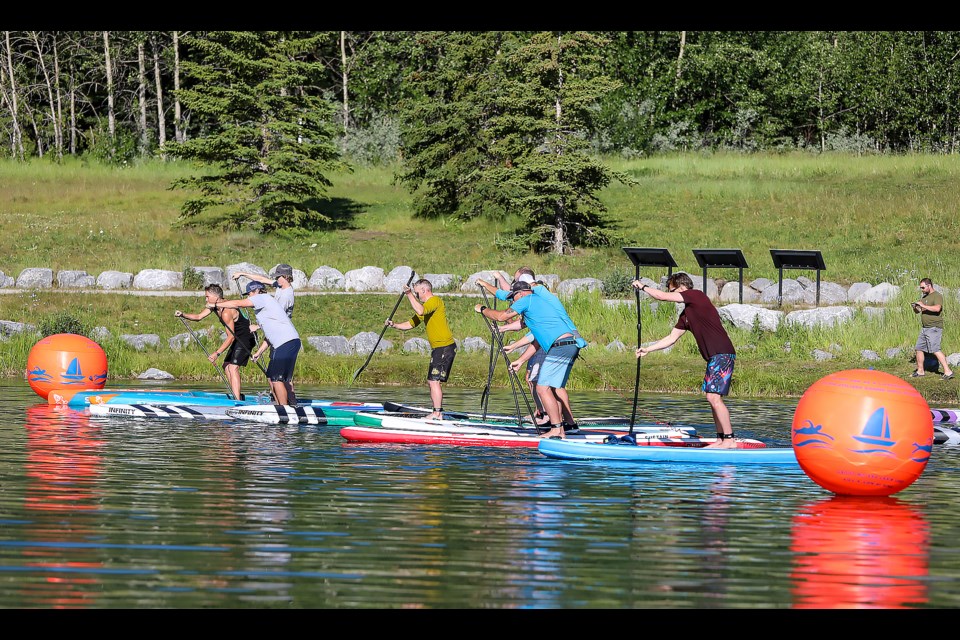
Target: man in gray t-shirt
(280, 333)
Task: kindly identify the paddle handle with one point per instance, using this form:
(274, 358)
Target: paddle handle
(636, 379)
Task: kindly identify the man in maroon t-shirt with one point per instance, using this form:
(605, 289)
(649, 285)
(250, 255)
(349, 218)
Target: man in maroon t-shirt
(700, 317)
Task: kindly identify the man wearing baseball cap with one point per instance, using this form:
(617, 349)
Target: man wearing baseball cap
(552, 330)
(281, 279)
(280, 333)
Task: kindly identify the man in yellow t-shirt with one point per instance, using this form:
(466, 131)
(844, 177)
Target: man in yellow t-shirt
(428, 309)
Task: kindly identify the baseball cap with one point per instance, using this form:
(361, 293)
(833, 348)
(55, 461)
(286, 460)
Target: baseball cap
(517, 287)
(255, 286)
(282, 270)
(525, 277)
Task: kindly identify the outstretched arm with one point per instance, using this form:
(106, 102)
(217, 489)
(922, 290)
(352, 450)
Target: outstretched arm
(495, 314)
(195, 317)
(402, 326)
(662, 343)
(656, 294)
(492, 290)
(253, 276)
(231, 304)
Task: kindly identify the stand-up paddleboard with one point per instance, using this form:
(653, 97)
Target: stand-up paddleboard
(192, 412)
(946, 434)
(572, 450)
(81, 399)
(938, 415)
(590, 421)
(475, 434)
(390, 419)
(279, 414)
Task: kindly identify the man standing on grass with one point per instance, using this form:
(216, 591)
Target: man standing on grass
(930, 308)
(700, 318)
(429, 309)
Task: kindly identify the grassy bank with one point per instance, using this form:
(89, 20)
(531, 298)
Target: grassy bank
(769, 364)
(874, 218)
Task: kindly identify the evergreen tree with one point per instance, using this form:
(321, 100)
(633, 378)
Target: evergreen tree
(555, 83)
(498, 126)
(264, 129)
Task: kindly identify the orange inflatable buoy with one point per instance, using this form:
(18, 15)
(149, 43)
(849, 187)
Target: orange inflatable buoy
(66, 360)
(862, 432)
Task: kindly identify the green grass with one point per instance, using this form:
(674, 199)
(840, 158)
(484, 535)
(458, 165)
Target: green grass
(875, 218)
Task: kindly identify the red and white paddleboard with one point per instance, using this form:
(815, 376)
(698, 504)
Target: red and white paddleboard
(466, 434)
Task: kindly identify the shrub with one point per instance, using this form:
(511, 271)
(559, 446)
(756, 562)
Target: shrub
(61, 322)
(192, 279)
(618, 284)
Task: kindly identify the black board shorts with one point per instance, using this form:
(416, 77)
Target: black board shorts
(441, 360)
(239, 354)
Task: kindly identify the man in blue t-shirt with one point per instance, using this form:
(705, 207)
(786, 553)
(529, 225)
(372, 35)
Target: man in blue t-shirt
(551, 327)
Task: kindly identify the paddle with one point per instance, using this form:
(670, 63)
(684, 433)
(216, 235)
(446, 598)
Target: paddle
(380, 337)
(219, 371)
(485, 396)
(514, 379)
(636, 383)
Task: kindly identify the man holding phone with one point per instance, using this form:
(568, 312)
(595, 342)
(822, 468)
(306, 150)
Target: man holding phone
(930, 308)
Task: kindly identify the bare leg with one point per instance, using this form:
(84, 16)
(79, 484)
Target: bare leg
(233, 376)
(436, 396)
(920, 370)
(721, 417)
(565, 410)
(942, 359)
(553, 409)
(279, 391)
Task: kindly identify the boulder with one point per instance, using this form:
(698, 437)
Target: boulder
(326, 279)
(35, 278)
(115, 280)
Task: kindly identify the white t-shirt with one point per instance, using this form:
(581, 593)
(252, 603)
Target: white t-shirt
(285, 298)
(274, 321)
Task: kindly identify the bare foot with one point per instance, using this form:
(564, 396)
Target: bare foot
(556, 431)
(435, 416)
(722, 444)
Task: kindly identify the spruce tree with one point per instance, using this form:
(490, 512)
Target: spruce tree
(264, 129)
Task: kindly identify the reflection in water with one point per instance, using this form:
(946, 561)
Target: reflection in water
(859, 552)
(63, 468)
(107, 512)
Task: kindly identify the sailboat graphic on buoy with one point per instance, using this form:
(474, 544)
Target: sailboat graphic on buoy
(877, 430)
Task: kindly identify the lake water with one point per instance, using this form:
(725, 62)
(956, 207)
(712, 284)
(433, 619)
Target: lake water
(108, 512)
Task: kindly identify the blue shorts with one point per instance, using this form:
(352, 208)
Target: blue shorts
(719, 374)
(283, 360)
(556, 366)
(534, 364)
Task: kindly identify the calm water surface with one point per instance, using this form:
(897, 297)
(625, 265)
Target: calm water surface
(108, 512)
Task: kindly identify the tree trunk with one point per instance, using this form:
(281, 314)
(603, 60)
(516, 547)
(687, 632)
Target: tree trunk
(676, 84)
(73, 114)
(142, 97)
(178, 133)
(111, 117)
(161, 121)
(16, 141)
(53, 111)
(56, 79)
(343, 64)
